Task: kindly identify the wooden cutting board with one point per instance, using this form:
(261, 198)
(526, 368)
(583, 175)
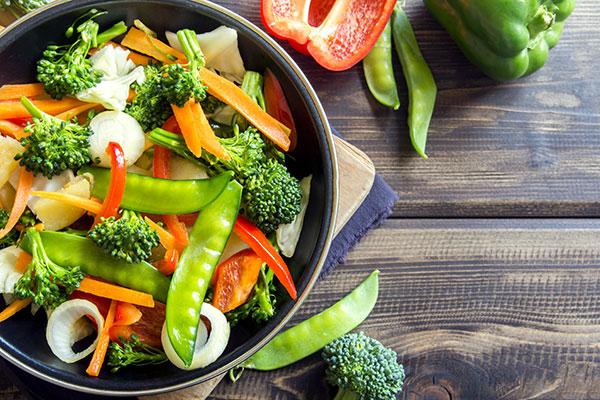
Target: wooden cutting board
(356, 176)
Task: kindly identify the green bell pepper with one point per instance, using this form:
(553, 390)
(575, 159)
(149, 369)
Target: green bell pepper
(507, 39)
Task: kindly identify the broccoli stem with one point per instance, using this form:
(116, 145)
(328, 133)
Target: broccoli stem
(116, 30)
(31, 108)
(191, 48)
(344, 394)
(253, 87)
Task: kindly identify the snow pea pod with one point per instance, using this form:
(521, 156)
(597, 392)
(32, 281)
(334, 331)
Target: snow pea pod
(70, 250)
(379, 70)
(161, 196)
(195, 269)
(312, 335)
(422, 90)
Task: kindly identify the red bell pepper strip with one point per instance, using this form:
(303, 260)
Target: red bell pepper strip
(116, 187)
(336, 33)
(277, 105)
(258, 242)
(168, 264)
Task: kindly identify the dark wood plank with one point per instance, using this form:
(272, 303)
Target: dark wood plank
(476, 309)
(527, 148)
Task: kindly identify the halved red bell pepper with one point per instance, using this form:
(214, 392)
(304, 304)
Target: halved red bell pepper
(336, 33)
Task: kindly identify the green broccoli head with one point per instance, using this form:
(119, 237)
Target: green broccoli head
(53, 145)
(180, 84)
(66, 70)
(11, 237)
(48, 283)
(150, 107)
(133, 352)
(129, 238)
(363, 368)
(261, 305)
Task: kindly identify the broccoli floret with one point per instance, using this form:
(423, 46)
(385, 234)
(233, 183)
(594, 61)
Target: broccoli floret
(261, 305)
(271, 194)
(149, 107)
(11, 237)
(128, 238)
(180, 84)
(53, 145)
(21, 7)
(363, 368)
(133, 352)
(48, 283)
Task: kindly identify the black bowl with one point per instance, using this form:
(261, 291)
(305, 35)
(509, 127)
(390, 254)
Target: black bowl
(22, 338)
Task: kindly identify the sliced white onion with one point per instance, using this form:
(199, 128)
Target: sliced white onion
(8, 273)
(206, 351)
(116, 126)
(68, 324)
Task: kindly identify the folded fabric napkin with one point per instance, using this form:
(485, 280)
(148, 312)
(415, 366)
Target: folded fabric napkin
(374, 210)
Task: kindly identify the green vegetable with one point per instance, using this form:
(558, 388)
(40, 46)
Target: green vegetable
(68, 249)
(195, 269)
(422, 90)
(179, 84)
(128, 238)
(133, 352)
(379, 70)
(363, 368)
(27, 220)
(505, 39)
(149, 107)
(53, 145)
(252, 85)
(161, 196)
(48, 283)
(272, 196)
(312, 335)
(19, 8)
(66, 70)
(261, 305)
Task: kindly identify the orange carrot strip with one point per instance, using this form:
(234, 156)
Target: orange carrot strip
(114, 292)
(69, 114)
(14, 109)
(9, 129)
(21, 197)
(189, 128)
(207, 135)
(23, 260)
(166, 238)
(14, 308)
(229, 93)
(142, 43)
(177, 229)
(100, 353)
(87, 204)
(12, 92)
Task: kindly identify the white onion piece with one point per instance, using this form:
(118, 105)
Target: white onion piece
(206, 351)
(68, 324)
(8, 272)
(116, 126)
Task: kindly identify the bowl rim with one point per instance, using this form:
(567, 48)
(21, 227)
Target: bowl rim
(328, 135)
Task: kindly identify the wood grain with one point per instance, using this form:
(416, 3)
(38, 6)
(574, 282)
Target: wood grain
(476, 309)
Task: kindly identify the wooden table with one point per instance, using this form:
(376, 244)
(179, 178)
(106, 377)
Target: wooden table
(490, 284)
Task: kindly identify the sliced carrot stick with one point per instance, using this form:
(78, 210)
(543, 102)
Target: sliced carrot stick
(178, 231)
(14, 92)
(90, 205)
(69, 114)
(114, 292)
(20, 203)
(207, 135)
(9, 129)
(142, 43)
(229, 93)
(14, 109)
(14, 308)
(100, 353)
(23, 260)
(189, 128)
(166, 238)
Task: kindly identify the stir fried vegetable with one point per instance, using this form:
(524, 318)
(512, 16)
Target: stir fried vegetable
(132, 351)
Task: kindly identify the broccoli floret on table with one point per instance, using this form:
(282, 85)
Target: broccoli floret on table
(261, 305)
(53, 145)
(48, 283)
(363, 368)
(271, 194)
(128, 238)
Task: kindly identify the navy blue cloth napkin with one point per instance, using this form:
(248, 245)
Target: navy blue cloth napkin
(373, 211)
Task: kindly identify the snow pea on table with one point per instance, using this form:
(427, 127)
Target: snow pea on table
(195, 269)
(161, 196)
